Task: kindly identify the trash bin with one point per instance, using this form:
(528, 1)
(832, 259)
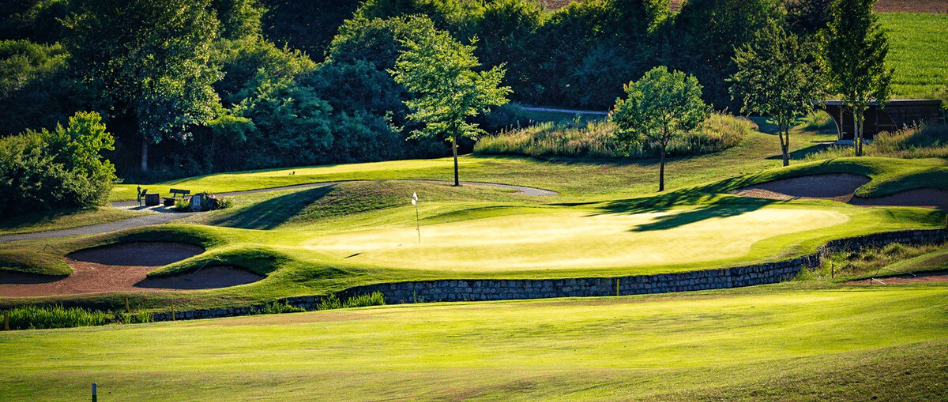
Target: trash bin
(152, 199)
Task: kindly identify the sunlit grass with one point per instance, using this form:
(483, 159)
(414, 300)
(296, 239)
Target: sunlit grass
(784, 339)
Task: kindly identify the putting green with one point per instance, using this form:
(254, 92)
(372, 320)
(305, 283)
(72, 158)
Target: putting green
(574, 240)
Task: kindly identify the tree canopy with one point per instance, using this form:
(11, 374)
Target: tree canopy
(855, 54)
(149, 59)
(439, 71)
(659, 107)
(779, 77)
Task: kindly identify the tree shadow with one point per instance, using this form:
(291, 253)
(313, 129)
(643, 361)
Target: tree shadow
(801, 153)
(704, 205)
(271, 213)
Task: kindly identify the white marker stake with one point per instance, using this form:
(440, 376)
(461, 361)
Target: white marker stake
(414, 201)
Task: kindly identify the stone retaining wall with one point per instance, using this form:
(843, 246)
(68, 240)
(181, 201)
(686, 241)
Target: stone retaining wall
(501, 289)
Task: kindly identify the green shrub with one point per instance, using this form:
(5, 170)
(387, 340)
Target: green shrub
(278, 308)
(331, 302)
(182, 205)
(33, 317)
(56, 169)
(373, 299)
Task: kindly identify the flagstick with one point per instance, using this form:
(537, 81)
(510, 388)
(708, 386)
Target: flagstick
(417, 223)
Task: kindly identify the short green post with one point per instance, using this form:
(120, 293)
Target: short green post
(617, 286)
(126, 306)
(172, 312)
(6, 320)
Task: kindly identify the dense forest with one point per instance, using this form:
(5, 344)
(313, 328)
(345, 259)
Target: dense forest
(190, 87)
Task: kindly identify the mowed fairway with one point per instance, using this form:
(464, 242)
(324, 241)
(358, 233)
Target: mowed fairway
(783, 343)
(574, 240)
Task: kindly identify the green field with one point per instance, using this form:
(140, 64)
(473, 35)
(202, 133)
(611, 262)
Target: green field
(918, 44)
(781, 342)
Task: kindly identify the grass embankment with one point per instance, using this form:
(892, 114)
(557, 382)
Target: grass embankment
(783, 342)
(917, 45)
(63, 219)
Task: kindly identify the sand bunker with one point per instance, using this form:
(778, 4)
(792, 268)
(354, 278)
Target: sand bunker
(921, 277)
(123, 268)
(840, 187)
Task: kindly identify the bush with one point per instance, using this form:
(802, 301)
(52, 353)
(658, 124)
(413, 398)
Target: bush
(374, 299)
(54, 170)
(33, 317)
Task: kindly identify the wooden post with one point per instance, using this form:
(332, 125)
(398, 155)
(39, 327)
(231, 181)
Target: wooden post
(126, 306)
(6, 320)
(172, 312)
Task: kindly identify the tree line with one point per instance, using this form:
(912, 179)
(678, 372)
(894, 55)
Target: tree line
(197, 86)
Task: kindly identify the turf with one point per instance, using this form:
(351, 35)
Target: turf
(785, 343)
(917, 43)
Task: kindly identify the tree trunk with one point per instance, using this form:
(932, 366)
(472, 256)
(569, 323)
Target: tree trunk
(785, 145)
(857, 123)
(841, 133)
(144, 154)
(454, 148)
(661, 171)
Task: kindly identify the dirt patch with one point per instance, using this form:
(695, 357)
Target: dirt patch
(123, 268)
(911, 6)
(922, 277)
(836, 187)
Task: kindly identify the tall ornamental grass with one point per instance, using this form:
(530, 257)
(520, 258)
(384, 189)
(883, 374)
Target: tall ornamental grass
(913, 142)
(596, 140)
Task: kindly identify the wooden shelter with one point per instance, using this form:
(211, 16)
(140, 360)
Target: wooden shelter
(895, 115)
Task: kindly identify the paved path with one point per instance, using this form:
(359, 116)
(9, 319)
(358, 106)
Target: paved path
(571, 111)
(161, 215)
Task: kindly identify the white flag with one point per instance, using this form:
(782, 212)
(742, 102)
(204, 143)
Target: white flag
(414, 198)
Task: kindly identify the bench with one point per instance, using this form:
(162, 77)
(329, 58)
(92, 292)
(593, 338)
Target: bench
(175, 192)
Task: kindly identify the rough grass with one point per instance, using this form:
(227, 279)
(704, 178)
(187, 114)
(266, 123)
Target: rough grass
(909, 143)
(596, 140)
(784, 342)
(874, 262)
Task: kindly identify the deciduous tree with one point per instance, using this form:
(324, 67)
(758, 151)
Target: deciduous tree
(779, 77)
(148, 59)
(439, 71)
(660, 106)
(855, 54)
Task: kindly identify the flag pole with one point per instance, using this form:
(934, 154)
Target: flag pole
(414, 201)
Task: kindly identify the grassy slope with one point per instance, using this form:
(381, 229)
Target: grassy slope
(780, 342)
(918, 43)
(65, 219)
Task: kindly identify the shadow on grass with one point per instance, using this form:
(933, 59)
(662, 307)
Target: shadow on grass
(38, 218)
(702, 205)
(801, 153)
(271, 213)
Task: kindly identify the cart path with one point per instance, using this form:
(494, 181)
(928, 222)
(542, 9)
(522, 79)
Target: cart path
(161, 215)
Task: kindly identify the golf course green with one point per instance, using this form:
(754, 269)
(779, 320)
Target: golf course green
(572, 240)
